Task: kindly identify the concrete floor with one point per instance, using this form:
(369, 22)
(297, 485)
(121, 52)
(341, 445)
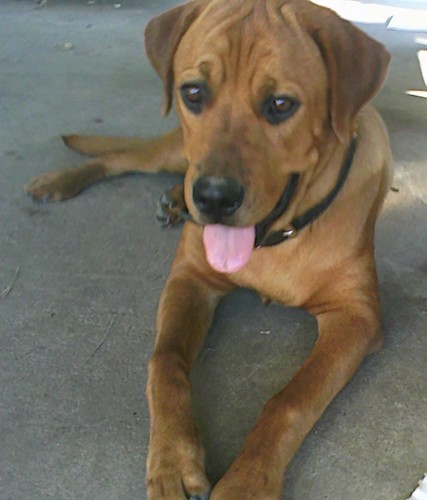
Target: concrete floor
(80, 282)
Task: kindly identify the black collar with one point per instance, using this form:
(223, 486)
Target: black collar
(268, 240)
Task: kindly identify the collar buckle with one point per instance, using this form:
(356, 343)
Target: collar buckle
(289, 233)
(273, 239)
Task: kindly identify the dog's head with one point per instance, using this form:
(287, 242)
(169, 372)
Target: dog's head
(260, 85)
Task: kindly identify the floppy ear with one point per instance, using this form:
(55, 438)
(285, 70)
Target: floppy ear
(162, 36)
(356, 65)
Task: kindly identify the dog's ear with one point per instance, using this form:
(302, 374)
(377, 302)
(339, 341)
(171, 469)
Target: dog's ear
(356, 65)
(162, 36)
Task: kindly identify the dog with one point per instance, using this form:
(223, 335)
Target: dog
(286, 168)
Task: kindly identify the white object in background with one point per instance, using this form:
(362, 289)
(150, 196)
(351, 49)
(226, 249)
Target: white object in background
(421, 492)
(422, 57)
(409, 20)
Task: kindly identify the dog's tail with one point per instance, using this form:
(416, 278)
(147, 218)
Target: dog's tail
(97, 145)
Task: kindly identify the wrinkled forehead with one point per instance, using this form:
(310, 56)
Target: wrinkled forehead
(261, 43)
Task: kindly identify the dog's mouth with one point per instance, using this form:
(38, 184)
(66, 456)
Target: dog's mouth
(228, 249)
(217, 200)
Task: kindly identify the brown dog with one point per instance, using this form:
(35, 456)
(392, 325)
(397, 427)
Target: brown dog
(286, 169)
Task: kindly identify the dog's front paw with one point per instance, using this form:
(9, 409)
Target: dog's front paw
(172, 483)
(57, 185)
(246, 484)
(177, 473)
(171, 208)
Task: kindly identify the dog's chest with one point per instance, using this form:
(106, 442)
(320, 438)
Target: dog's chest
(280, 275)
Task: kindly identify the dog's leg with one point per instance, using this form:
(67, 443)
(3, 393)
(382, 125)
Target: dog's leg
(115, 157)
(348, 326)
(175, 464)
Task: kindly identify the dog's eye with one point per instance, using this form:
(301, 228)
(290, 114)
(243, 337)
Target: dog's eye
(194, 96)
(278, 109)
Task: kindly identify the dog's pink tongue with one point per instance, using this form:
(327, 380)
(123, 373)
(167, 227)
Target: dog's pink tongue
(228, 249)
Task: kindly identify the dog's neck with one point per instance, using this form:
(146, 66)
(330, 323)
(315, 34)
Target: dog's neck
(322, 179)
(315, 192)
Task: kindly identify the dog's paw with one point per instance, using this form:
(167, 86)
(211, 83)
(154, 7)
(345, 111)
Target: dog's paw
(57, 185)
(182, 478)
(171, 208)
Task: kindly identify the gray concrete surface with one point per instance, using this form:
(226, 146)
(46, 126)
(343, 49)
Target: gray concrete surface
(80, 281)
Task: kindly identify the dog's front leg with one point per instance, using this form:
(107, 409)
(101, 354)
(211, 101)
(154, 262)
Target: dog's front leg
(175, 465)
(346, 335)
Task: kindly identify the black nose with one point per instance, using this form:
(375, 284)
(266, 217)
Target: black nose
(217, 196)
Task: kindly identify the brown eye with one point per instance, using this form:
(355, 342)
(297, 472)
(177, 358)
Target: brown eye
(282, 104)
(278, 109)
(195, 95)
